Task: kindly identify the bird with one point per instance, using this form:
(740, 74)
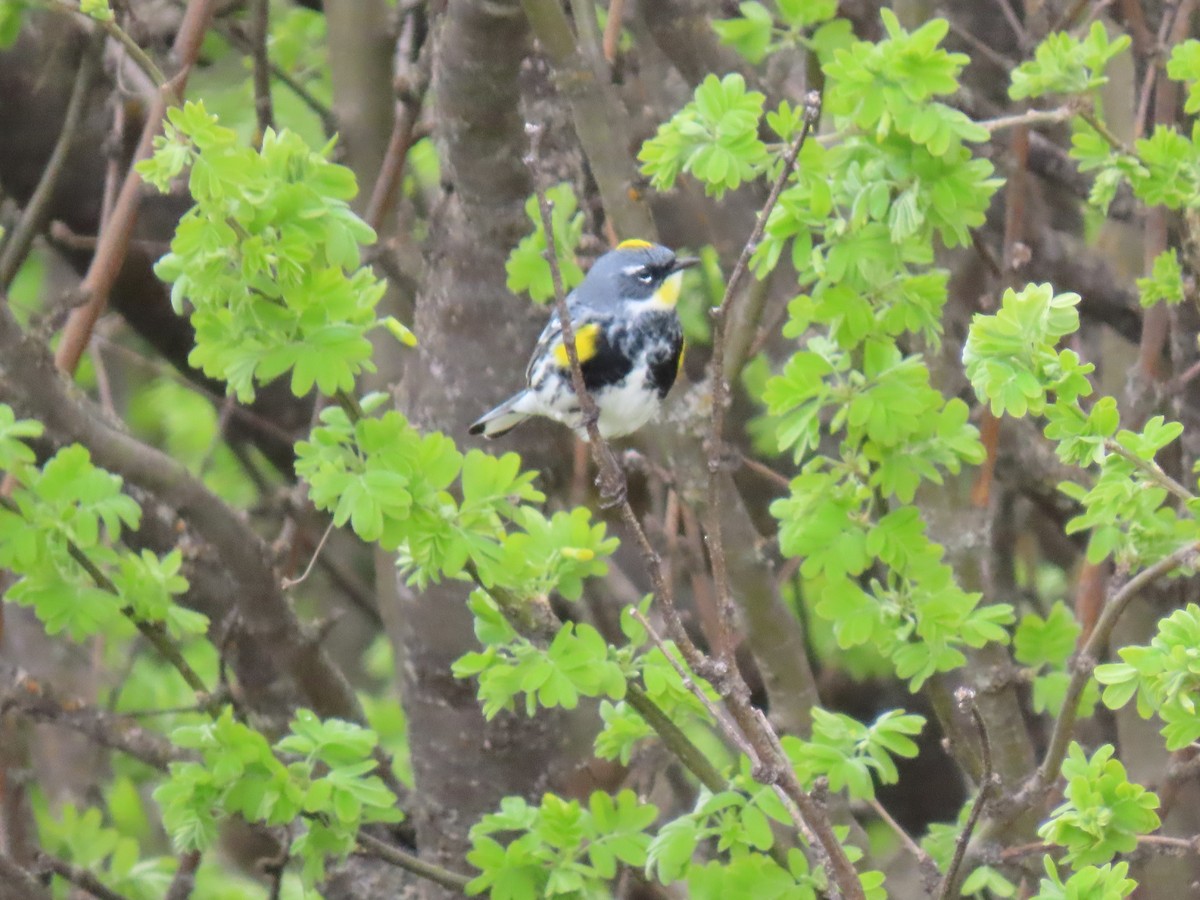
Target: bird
(628, 338)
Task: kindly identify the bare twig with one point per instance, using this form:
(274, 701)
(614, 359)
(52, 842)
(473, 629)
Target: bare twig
(289, 583)
(1054, 116)
(242, 43)
(1014, 22)
(21, 881)
(410, 97)
(720, 716)
(612, 29)
(184, 881)
(1103, 130)
(373, 846)
(122, 37)
(33, 217)
(36, 700)
(114, 240)
(78, 876)
(987, 786)
(260, 12)
(720, 389)
(601, 120)
(1085, 662)
(923, 859)
(612, 479)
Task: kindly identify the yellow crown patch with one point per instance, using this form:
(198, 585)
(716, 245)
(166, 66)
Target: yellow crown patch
(634, 245)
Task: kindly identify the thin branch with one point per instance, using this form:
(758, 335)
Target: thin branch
(154, 632)
(260, 25)
(36, 700)
(1054, 116)
(924, 860)
(720, 716)
(14, 876)
(774, 768)
(600, 118)
(410, 96)
(33, 217)
(289, 583)
(240, 42)
(1152, 470)
(983, 48)
(122, 37)
(78, 876)
(612, 479)
(1085, 662)
(1168, 844)
(114, 239)
(1103, 130)
(373, 846)
(612, 29)
(1014, 22)
(184, 881)
(758, 468)
(720, 389)
(988, 784)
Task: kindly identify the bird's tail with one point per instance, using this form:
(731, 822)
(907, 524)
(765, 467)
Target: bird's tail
(503, 419)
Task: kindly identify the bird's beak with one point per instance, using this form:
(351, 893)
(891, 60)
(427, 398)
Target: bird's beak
(684, 262)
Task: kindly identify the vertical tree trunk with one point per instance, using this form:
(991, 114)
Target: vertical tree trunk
(473, 339)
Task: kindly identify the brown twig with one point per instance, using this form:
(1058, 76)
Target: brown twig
(260, 30)
(1085, 662)
(184, 882)
(612, 29)
(114, 240)
(987, 786)
(373, 846)
(1014, 22)
(410, 97)
(242, 43)
(78, 876)
(773, 768)
(36, 700)
(600, 118)
(20, 880)
(37, 210)
(110, 27)
(289, 583)
(924, 860)
(1156, 319)
(1031, 117)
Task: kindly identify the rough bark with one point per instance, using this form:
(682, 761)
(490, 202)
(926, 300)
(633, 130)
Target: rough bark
(474, 337)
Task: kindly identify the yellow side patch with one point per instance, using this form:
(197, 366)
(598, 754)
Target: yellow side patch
(634, 245)
(587, 340)
(682, 354)
(668, 292)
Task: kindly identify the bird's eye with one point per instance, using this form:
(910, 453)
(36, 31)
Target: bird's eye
(645, 276)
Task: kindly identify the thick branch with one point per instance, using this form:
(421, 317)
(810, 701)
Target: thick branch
(600, 119)
(30, 385)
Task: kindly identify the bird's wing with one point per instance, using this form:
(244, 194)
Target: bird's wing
(552, 333)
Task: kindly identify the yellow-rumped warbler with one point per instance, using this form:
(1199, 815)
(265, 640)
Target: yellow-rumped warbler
(629, 340)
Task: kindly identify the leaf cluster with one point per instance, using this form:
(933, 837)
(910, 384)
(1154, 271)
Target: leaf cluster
(318, 775)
